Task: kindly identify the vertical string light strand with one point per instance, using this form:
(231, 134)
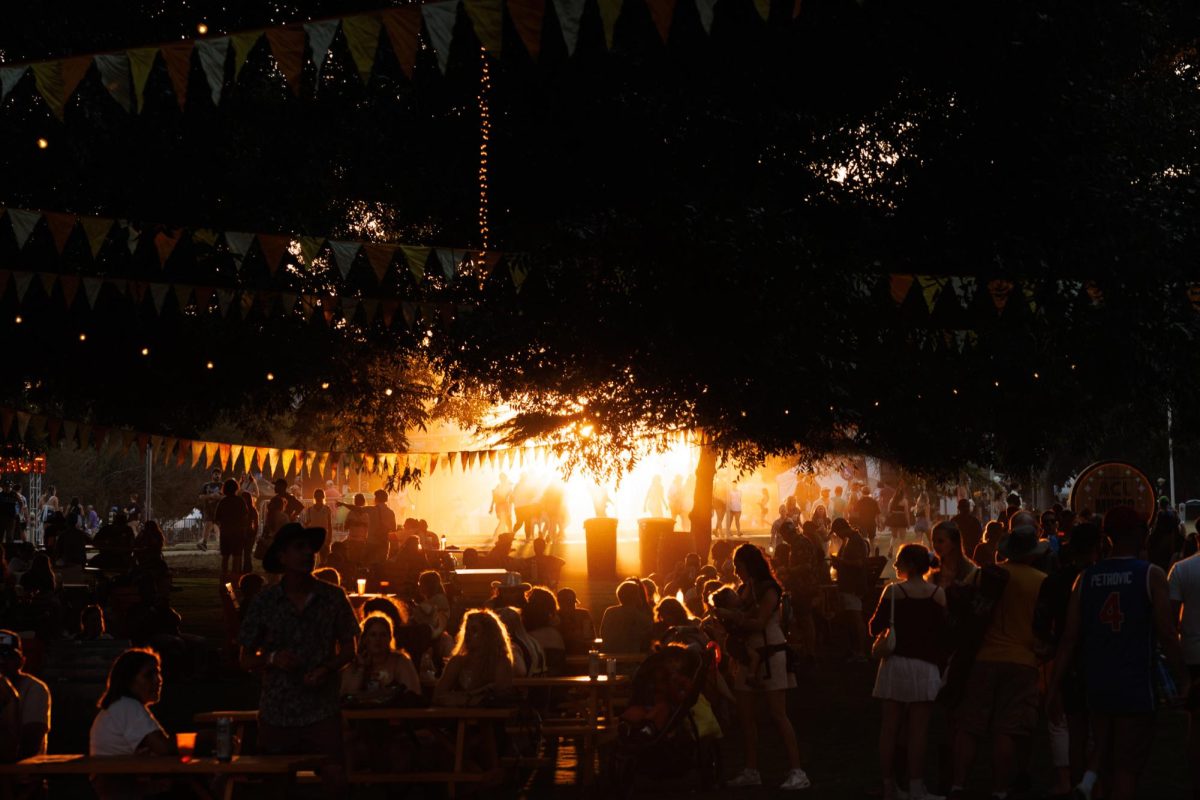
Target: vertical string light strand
(485, 129)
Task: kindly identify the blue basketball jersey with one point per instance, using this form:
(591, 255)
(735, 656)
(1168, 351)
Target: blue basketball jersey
(1117, 626)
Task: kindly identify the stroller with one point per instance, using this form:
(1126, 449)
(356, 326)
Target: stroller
(658, 737)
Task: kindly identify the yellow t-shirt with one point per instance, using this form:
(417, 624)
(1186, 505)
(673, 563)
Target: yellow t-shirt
(1010, 637)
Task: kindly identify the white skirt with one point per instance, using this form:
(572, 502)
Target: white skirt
(907, 680)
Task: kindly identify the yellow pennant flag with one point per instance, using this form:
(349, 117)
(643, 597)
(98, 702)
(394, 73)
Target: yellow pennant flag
(212, 455)
(609, 11)
(289, 457)
(322, 462)
(416, 258)
(235, 450)
(96, 229)
(141, 60)
(368, 461)
(487, 20)
(243, 43)
(310, 461)
(764, 8)
(197, 451)
(49, 79)
(362, 35)
(168, 449)
(310, 247)
(250, 455)
(273, 457)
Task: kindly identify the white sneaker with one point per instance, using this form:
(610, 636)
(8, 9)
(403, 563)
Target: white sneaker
(796, 779)
(748, 777)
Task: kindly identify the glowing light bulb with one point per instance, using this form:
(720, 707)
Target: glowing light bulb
(270, 376)
(324, 384)
(83, 337)
(1036, 376)
(209, 365)
(145, 351)
(18, 320)
(996, 384)
(388, 392)
(43, 143)
(201, 29)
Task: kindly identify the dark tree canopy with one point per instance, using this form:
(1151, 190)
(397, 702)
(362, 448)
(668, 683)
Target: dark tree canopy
(708, 226)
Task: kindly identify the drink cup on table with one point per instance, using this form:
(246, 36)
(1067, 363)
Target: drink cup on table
(185, 743)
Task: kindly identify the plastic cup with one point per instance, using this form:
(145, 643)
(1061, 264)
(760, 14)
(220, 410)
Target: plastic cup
(611, 668)
(185, 743)
(362, 585)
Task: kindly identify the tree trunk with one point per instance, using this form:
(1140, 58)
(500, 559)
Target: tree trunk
(701, 513)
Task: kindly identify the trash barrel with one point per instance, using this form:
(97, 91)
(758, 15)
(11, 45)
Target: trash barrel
(601, 536)
(650, 532)
(673, 547)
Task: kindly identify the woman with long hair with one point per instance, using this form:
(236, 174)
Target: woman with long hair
(955, 568)
(482, 661)
(759, 617)
(125, 725)
(909, 677)
(380, 669)
(985, 551)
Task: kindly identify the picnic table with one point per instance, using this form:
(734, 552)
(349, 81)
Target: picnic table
(280, 769)
(462, 717)
(594, 727)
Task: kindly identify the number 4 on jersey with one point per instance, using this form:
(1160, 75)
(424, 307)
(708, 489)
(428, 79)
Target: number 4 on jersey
(1110, 612)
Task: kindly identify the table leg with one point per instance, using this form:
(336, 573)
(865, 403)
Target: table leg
(460, 744)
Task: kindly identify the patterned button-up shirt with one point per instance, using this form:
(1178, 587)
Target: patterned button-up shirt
(272, 623)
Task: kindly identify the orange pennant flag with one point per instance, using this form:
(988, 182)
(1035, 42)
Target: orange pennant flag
(287, 45)
(235, 452)
(403, 25)
(273, 248)
(61, 226)
(168, 449)
(164, 243)
(225, 450)
(197, 452)
(662, 12)
(899, 285)
(527, 16)
(289, 457)
(250, 456)
(380, 256)
(273, 456)
(73, 71)
(178, 57)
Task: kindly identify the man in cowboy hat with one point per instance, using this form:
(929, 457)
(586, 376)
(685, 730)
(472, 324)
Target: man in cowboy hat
(1001, 696)
(299, 633)
(509, 592)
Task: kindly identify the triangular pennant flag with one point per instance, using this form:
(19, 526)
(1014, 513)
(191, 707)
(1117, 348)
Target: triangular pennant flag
(22, 222)
(763, 7)
(999, 290)
(114, 74)
(224, 300)
(487, 19)
(91, 290)
(409, 310)
(70, 288)
(178, 58)
(250, 455)
(362, 35)
(569, 13)
(158, 292)
(310, 248)
(446, 257)
(164, 243)
(402, 26)
(212, 455)
(273, 248)
(322, 460)
(247, 302)
(213, 53)
(22, 281)
(9, 77)
(931, 289)
(235, 452)
(433, 462)
(705, 9)
(439, 22)
(527, 16)
(287, 45)
(126, 441)
(320, 37)
(49, 79)
(899, 286)
(96, 230)
(271, 461)
(609, 11)
(343, 254)
(289, 457)
(205, 236)
(225, 450)
(141, 60)
(663, 12)
(183, 295)
(239, 244)
(243, 43)
(48, 281)
(416, 258)
(73, 71)
(370, 309)
(380, 256)
(389, 307)
(60, 226)
(518, 269)
(156, 443)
